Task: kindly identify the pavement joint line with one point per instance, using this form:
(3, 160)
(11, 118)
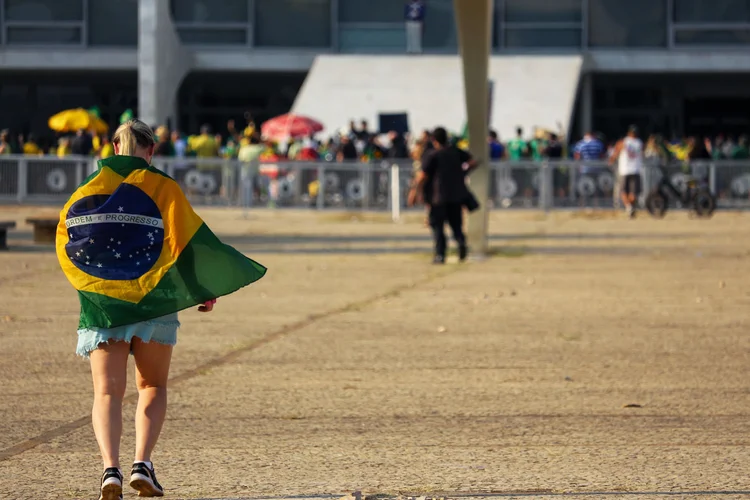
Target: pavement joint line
(228, 357)
(499, 494)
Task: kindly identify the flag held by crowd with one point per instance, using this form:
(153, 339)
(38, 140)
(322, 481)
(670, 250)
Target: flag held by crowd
(131, 244)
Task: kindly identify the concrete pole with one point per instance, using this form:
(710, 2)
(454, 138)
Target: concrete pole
(587, 105)
(162, 63)
(474, 26)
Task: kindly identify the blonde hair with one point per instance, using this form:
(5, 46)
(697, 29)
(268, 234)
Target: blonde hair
(131, 134)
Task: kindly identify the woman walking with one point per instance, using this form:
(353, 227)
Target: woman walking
(159, 259)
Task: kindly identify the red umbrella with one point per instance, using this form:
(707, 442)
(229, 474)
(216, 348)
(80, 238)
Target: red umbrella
(290, 125)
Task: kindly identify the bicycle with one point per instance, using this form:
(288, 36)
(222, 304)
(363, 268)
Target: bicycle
(696, 196)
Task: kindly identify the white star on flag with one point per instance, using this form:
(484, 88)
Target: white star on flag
(111, 239)
(107, 247)
(131, 255)
(150, 235)
(78, 253)
(119, 243)
(117, 255)
(137, 263)
(99, 265)
(91, 240)
(120, 209)
(71, 235)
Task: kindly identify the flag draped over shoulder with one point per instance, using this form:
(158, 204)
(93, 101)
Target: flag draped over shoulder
(131, 244)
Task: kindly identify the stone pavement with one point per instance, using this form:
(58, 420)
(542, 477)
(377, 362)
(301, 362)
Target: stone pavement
(596, 374)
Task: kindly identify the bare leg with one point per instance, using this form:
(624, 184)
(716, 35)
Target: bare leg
(109, 364)
(151, 374)
(626, 199)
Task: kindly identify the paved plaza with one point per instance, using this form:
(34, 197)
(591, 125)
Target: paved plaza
(591, 356)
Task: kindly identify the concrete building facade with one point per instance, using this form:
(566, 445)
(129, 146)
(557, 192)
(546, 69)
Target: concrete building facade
(676, 65)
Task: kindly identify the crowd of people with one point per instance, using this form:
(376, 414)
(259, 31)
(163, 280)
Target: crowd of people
(357, 143)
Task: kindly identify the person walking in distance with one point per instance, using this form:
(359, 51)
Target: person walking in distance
(628, 153)
(443, 181)
(414, 14)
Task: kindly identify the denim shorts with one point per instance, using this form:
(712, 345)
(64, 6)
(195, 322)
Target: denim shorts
(162, 330)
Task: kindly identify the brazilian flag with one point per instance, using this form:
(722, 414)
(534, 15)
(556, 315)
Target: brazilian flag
(131, 244)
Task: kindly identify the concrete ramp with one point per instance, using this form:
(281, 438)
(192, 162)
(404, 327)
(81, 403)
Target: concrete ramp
(529, 91)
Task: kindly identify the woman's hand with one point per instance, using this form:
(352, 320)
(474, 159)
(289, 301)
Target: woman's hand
(207, 306)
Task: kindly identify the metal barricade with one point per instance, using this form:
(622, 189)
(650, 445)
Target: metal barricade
(592, 184)
(41, 179)
(353, 185)
(516, 184)
(730, 182)
(9, 180)
(205, 181)
(283, 184)
(546, 185)
(53, 178)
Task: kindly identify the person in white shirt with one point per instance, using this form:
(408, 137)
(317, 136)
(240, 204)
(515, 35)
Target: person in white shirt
(628, 153)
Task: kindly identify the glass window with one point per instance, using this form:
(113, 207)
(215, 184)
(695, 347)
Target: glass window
(631, 23)
(542, 11)
(440, 25)
(542, 38)
(293, 23)
(613, 125)
(43, 10)
(712, 37)
(636, 97)
(43, 36)
(712, 11)
(113, 22)
(372, 40)
(209, 11)
(369, 11)
(209, 36)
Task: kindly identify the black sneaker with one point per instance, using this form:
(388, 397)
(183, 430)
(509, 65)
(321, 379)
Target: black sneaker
(111, 484)
(463, 251)
(438, 259)
(143, 480)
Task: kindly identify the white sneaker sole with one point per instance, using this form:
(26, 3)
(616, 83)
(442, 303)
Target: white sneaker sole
(144, 486)
(111, 490)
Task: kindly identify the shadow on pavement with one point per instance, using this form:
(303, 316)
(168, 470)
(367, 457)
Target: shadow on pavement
(21, 241)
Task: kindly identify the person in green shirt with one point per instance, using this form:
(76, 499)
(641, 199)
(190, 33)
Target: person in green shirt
(538, 145)
(517, 148)
(741, 152)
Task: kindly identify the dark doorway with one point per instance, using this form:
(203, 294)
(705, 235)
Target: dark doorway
(28, 99)
(216, 97)
(711, 116)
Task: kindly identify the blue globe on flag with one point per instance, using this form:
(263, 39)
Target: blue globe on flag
(115, 237)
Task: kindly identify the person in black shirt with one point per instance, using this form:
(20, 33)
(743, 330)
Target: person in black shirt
(347, 150)
(554, 149)
(398, 150)
(443, 181)
(82, 144)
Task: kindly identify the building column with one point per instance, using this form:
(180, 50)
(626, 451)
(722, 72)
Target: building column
(587, 104)
(474, 26)
(162, 63)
